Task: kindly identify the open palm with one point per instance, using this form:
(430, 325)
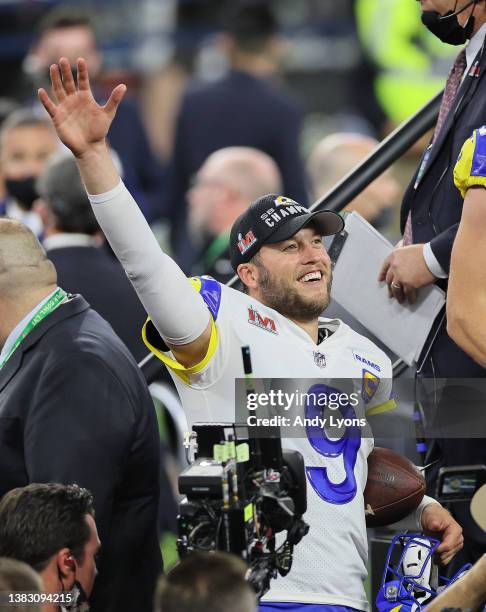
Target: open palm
(80, 121)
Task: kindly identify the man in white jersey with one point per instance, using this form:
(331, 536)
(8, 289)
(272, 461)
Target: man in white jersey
(277, 250)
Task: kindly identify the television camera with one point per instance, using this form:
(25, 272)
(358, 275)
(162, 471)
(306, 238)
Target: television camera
(241, 494)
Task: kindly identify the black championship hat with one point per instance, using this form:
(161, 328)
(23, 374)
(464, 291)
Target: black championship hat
(273, 218)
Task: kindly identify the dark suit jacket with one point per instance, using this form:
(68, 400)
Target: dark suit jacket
(238, 110)
(99, 277)
(436, 205)
(74, 407)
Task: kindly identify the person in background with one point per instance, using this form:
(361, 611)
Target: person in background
(15, 577)
(430, 215)
(245, 107)
(7, 107)
(74, 407)
(334, 156)
(75, 244)
(52, 528)
(206, 582)
(408, 64)
(71, 32)
(467, 593)
(225, 185)
(26, 143)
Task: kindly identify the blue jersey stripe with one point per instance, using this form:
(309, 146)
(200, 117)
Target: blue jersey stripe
(478, 163)
(211, 294)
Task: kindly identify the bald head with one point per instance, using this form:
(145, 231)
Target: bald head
(25, 270)
(227, 183)
(249, 171)
(335, 156)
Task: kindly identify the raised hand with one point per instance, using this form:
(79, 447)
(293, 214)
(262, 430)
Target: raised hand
(81, 123)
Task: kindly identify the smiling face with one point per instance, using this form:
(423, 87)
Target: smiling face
(293, 277)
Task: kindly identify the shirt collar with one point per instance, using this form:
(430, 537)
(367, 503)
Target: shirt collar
(17, 330)
(474, 46)
(60, 241)
(28, 217)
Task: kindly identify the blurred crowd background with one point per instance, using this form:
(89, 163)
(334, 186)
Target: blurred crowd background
(339, 62)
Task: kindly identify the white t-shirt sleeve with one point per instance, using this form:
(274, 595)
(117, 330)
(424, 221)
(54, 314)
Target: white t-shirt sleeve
(413, 521)
(177, 311)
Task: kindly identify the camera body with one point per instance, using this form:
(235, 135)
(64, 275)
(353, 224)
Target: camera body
(240, 492)
(459, 483)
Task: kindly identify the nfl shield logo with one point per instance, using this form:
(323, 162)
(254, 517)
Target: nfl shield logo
(319, 359)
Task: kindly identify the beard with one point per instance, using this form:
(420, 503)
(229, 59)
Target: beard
(286, 300)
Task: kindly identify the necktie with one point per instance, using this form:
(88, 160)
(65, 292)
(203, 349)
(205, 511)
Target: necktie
(452, 86)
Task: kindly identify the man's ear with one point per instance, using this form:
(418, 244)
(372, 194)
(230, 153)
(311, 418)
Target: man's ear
(66, 566)
(248, 274)
(41, 208)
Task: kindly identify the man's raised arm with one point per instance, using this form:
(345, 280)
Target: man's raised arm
(177, 311)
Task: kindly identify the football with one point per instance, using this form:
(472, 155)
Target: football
(395, 487)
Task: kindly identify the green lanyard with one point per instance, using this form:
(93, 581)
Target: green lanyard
(215, 249)
(40, 315)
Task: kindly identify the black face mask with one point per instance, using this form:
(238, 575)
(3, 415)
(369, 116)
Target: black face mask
(447, 27)
(79, 600)
(23, 190)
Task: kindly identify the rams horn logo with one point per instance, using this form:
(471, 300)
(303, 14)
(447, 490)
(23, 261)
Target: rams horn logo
(370, 385)
(283, 201)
